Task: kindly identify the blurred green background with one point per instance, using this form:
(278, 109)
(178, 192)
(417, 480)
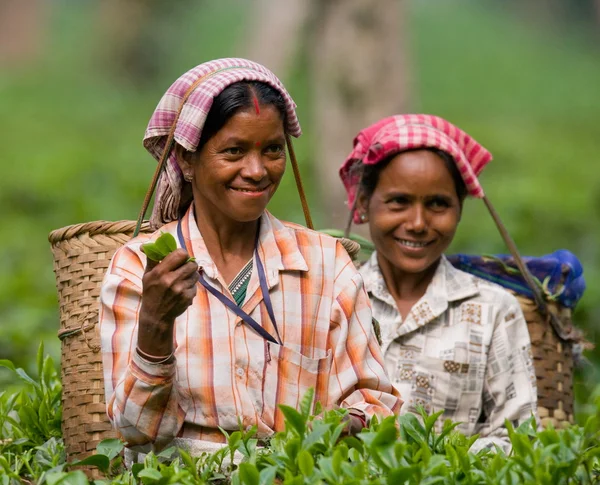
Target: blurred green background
(80, 79)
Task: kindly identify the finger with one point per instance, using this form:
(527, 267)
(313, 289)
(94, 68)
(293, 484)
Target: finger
(190, 294)
(187, 271)
(150, 265)
(185, 297)
(188, 284)
(174, 260)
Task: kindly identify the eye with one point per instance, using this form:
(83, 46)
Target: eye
(275, 148)
(440, 203)
(233, 151)
(399, 201)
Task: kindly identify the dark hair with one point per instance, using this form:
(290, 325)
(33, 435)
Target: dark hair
(370, 174)
(236, 97)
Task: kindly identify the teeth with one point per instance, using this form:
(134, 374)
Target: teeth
(412, 244)
(246, 190)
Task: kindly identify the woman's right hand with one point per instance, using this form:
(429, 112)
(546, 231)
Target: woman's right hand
(169, 287)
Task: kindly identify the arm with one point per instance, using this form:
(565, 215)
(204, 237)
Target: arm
(509, 391)
(143, 402)
(358, 379)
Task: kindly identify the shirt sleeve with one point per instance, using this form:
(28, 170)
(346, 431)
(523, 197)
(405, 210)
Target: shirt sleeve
(143, 403)
(358, 378)
(510, 391)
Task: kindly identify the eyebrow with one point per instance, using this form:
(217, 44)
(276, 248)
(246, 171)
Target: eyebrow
(241, 141)
(410, 195)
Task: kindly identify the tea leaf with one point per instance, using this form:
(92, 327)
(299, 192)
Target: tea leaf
(8, 364)
(306, 464)
(326, 467)
(234, 440)
(102, 462)
(150, 474)
(294, 418)
(249, 474)
(71, 478)
(306, 403)
(267, 475)
(166, 243)
(386, 434)
(40, 359)
(152, 252)
(431, 420)
(292, 447)
(25, 378)
(401, 475)
(337, 461)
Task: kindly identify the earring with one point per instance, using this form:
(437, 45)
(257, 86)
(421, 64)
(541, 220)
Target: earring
(187, 177)
(363, 218)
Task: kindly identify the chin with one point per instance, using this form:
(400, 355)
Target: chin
(246, 215)
(415, 266)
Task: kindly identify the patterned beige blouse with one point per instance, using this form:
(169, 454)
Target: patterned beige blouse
(464, 347)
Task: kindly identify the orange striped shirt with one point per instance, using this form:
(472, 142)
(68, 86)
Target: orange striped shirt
(224, 373)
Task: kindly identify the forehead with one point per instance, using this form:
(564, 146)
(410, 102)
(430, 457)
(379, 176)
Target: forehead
(416, 171)
(252, 123)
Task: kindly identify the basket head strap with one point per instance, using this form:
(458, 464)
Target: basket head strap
(512, 247)
(299, 185)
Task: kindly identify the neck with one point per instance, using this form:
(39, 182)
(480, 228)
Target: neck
(405, 286)
(227, 242)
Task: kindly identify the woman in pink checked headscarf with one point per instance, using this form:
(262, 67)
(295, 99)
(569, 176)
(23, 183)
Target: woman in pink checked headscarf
(249, 312)
(451, 341)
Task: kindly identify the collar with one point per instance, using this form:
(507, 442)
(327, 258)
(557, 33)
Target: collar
(277, 247)
(447, 285)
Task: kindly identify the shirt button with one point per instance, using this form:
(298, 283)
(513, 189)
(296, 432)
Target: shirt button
(239, 371)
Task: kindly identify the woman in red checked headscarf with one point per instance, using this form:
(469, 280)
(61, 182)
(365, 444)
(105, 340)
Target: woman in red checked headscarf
(265, 311)
(451, 341)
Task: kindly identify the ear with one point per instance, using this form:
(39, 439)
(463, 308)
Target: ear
(184, 160)
(362, 206)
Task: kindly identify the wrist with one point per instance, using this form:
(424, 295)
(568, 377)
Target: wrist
(150, 320)
(155, 359)
(359, 419)
(155, 338)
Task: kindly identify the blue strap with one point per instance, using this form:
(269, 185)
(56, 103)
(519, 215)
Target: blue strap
(235, 308)
(264, 288)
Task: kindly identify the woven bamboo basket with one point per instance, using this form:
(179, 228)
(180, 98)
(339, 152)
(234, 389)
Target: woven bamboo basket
(553, 362)
(82, 253)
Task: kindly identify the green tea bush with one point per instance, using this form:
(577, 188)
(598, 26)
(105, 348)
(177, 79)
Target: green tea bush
(311, 450)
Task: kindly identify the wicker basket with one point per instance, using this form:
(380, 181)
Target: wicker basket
(82, 253)
(553, 362)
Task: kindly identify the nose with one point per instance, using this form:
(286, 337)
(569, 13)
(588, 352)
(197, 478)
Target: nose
(254, 167)
(417, 219)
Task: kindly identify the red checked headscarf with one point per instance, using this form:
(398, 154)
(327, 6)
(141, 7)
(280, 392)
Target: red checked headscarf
(396, 134)
(215, 76)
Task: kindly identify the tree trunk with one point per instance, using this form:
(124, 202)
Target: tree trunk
(131, 36)
(22, 27)
(359, 71)
(275, 31)
(357, 58)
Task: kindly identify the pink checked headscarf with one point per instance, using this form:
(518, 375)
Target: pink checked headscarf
(213, 78)
(395, 134)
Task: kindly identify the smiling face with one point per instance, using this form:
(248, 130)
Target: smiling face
(413, 211)
(238, 169)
